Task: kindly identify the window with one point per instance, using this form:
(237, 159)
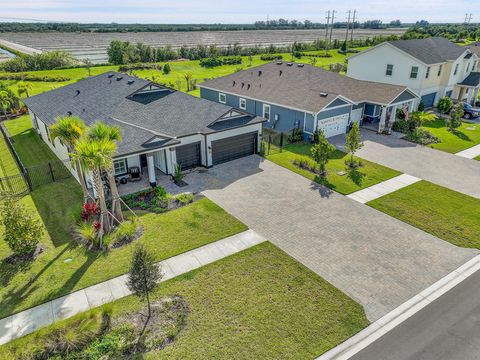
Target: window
(456, 70)
(414, 72)
(120, 166)
(440, 67)
(222, 98)
(468, 67)
(474, 65)
(427, 74)
(389, 71)
(242, 104)
(266, 111)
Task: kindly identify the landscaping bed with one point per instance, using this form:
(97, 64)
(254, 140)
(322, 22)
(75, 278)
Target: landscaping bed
(338, 178)
(442, 212)
(157, 200)
(257, 304)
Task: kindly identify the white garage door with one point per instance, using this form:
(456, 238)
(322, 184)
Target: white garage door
(334, 126)
(357, 115)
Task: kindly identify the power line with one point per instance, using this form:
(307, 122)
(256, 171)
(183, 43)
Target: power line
(22, 19)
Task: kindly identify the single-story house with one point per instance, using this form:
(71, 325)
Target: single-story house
(161, 127)
(292, 95)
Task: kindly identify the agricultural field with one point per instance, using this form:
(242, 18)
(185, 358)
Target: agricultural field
(93, 45)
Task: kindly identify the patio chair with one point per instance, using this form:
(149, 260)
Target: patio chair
(134, 172)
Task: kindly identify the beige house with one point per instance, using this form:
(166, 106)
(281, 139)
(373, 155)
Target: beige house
(432, 68)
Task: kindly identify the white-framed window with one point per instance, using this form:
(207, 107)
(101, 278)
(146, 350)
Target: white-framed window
(120, 166)
(222, 98)
(440, 67)
(266, 111)
(456, 70)
(468, 67)
(427, 74)
(242, 104)
(414, 72)
(389, 70)
(474, 65)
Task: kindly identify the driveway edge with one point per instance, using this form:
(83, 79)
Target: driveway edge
(388, 322)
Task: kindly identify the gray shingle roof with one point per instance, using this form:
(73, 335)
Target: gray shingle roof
(431, 50)
(114, 98)
(473, 79)
(301, 87)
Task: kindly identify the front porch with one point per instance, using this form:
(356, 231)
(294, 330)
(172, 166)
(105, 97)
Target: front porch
(467, 91)
(382, 117)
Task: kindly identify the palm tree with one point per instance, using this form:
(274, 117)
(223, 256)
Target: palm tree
(101, 131)
(23, 88)
(5, 101)
(96, 155)
(69, 130)
(188, 78)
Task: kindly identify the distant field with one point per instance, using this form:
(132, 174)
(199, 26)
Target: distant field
(94, 45)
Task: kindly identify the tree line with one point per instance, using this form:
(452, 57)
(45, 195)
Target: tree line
(43, 61)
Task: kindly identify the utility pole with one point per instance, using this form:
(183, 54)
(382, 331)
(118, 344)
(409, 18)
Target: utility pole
(348, 25)
(469, 18)
(326, 31)
(353, 25)
(331, 28)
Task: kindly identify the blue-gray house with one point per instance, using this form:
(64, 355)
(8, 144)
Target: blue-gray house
(293, 95)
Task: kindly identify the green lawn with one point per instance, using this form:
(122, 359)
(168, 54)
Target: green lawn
(445, 213)
(8, 166)
(467, 135)
(175, 78)
(31, 149)
(257, 304)
(368, 175)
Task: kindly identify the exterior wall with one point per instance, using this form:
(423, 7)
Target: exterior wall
(133, 161)
(229, 133)
(56, 146)
(309, 124)
(288, 118)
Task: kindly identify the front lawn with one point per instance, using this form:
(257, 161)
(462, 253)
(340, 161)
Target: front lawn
(65, 266)
(464, 137)
(368, 175)
(442, 212)
(257, 304)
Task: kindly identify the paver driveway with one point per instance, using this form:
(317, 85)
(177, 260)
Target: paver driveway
(439, 167)
(376, 259)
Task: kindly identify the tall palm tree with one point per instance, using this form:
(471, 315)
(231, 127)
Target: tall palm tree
(23, 88)
(70, 129)
(5, 101)
(96, 155)
(101, 131)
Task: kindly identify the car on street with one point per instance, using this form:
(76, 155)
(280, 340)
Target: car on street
(470, 111)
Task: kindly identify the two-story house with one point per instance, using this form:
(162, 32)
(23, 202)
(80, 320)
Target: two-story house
(432, 68)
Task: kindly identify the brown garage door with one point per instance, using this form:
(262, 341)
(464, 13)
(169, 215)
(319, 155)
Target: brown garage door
(234, 147)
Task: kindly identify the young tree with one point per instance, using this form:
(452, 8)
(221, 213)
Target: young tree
(99, 132)
(455, 119)
(69, 130)
(23, 88)
(188, 78)
(22, 231)
(88, 65)
(144, 275)
(166, 69)
(5, 101)
(321, 151)
(353, 142)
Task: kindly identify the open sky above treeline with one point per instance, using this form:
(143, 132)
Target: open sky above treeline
(234, 12)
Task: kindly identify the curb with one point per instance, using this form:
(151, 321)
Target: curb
(397, 316)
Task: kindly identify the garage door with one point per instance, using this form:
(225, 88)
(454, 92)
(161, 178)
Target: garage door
(233, 147)
(334, 126)
(188, 156)
(428, 99)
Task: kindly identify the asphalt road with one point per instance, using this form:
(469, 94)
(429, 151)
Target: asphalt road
(447, 329)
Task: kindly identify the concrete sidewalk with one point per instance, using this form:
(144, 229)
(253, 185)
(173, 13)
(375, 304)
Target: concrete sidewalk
(470, 153)
(30, 320)
(385, 187)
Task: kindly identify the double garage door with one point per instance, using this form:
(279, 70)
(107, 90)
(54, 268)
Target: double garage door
(234, 147)
(334, 126)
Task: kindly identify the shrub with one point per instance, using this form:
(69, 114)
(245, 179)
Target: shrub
(22, 231)
(422, 136)
(319, 55)
(125, 232)
(445, 105)
(166, 69)
(271, 57)
(337, 67)
(32, 77)
(184, 198)
(421, 106)
(44, 61)
(86, 233)
(217, 61)
(178, 175)
(138, 66)
(295, 136)
(401, 125)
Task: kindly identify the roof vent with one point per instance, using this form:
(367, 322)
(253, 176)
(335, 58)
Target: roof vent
(280, 73)
(248, 86)
(130, 82)
(259, 72)
(119, 78)
(77, 92)
(243, 84)
(279, 62)
(69, 113)
(234, 82)
(323, 94)
(111, 75)
(290, 64)
(301, 65)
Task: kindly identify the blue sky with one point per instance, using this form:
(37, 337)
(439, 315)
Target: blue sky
(239, 11)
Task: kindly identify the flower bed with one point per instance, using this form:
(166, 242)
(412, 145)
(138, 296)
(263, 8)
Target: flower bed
(156, 200)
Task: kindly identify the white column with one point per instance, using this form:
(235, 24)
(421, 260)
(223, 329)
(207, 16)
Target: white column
(475, 95)
(383, 115)
(151, 170)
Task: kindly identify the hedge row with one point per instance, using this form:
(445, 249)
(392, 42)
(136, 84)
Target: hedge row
(31, 77)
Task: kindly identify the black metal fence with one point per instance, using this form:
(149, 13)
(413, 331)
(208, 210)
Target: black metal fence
(31, 177)
(273, 142)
